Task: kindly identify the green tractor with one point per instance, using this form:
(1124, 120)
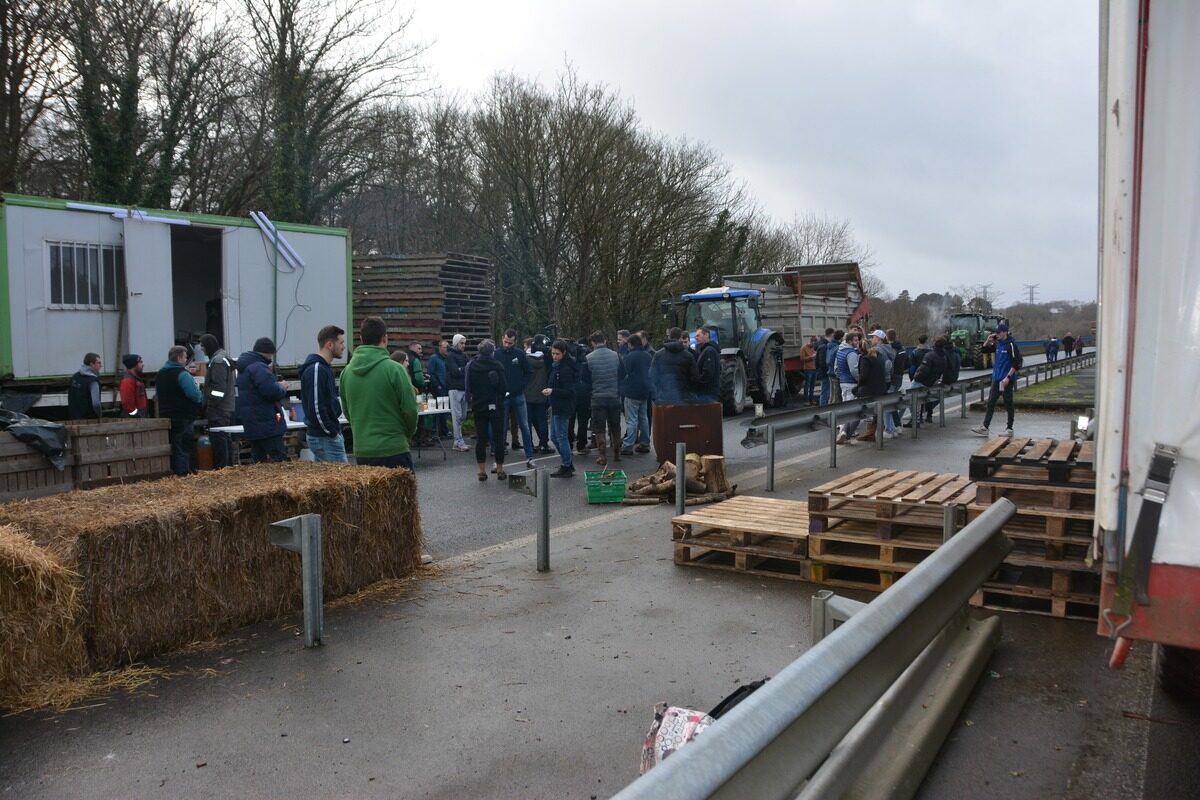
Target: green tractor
(968, 332)
(751, 355)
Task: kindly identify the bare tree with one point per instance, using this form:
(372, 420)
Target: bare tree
(28, 47)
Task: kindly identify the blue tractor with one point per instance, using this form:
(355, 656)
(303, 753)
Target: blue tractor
(751, 355)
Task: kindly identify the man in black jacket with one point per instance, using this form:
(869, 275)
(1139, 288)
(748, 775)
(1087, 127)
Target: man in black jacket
(456, 365)
(929, 372)
(83, 395)
(487, 389)
(260, 403)
(708, 365)
(220, 399)
(179, 400)
(673, 373)
(319, 396)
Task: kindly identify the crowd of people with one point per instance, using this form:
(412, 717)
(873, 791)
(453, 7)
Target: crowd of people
(571, 396)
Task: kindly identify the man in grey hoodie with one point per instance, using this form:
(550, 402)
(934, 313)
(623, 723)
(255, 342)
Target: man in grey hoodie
(604, 366)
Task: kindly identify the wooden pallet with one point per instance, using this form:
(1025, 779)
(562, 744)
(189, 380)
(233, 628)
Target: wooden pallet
(1050, 497)
(855, 544)
(1035, 462)
(1044, 524)
(1000, 599)
(896, 501)
(866, 576)
(753, 535)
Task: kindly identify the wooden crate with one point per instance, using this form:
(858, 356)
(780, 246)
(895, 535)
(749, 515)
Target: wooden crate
(119, 451)
(752, 535)
(1035, 462)
(1005, 599)
(896, 501)
(26, 473)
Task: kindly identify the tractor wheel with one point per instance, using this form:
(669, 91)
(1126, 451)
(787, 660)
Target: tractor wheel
(733, 386)
(1179, 673)
(771, 379)
(976, 357)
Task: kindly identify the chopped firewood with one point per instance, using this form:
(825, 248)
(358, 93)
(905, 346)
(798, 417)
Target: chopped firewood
(714, 474)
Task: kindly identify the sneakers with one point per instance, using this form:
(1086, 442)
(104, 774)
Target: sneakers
(1007, 433)
(463, 447)
(642, 448)
(563, 472)
(545, 449)
(626, 451)
(981, 431)
(529, 464)
(842, 438)
(892, 435)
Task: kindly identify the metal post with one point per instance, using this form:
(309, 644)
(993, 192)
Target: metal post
(543, 535)
(962, 407)
(302, 534)
(879, 424)
(820, 613)
(770, 458)
(680, 477)
(833, 434)
(982, 399)
(941, 406)
(916, 419)
(949, 521)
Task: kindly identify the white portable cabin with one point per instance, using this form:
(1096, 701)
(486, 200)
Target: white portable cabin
(81, 277)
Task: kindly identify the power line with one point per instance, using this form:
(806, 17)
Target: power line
(1032, 289)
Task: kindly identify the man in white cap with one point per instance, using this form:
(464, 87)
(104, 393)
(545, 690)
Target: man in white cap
(456, 366)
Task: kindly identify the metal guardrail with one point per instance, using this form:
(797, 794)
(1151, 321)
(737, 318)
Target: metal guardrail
(773, 741)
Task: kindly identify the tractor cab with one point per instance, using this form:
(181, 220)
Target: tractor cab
(733, 313)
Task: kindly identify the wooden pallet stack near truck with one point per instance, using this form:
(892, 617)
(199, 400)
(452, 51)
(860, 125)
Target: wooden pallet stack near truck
(869, 528)
(752, 535)
(1053, 484)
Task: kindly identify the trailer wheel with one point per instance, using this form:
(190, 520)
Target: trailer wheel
(733, 386)
(1179, 672)
(771, 379)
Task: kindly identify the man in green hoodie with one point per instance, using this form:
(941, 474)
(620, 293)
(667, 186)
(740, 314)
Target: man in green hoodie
(378, 399)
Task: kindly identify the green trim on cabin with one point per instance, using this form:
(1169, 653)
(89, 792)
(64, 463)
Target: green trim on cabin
(6, 351)
(28, 201)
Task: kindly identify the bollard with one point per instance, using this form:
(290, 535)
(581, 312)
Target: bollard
(543, 535)
(770, 458)
(949, 521)
(302, 535)
(833, 434)
(941, 406)
(680, 478)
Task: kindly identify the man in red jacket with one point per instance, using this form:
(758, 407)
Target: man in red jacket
(133, 388)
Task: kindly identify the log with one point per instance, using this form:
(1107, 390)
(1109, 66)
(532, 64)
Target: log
(664, 488)
(695, 486)
(641, 501)
(711, 497)
(714, 474)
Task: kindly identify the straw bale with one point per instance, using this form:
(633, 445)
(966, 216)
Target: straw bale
(168, 562)
(39, 610)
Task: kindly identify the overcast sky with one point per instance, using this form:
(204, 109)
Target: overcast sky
(959, 138)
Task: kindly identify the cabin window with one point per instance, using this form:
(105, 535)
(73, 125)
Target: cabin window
(85, 275)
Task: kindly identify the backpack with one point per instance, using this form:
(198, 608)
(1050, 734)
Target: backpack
(900, 366)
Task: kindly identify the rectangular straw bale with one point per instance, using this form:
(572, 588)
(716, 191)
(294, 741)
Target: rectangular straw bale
(168, 562)
(40, 637)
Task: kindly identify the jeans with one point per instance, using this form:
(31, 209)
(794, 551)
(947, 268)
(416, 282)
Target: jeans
(327, 448)
(825, 389)
(538, 421)
(458, 412)
(223, 449)
(810, 384)
(562, 441)
(269, 449)
(398, 460)
(489, 426)
(835, 389)
(847, 389)
(993, 396)
(637, 423)
(182, 442)
(515, 404)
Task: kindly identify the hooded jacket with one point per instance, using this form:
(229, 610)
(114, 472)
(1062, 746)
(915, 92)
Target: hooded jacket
(319, 396)
(673, 374)
(133, 395)
(846, 364)
(259, 398)
(220, 388)
(537, 379)
(873, 381)
(517, 371)
(708, 367)
(83, 396)
(931, 369)
(456, 363)
(379, 401)
(561, 382)
(1008, 357)
(485, 383)
(635, 383)
(437, 374)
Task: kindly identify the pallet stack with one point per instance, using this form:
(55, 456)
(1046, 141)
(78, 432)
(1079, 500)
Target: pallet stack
(752, 535)
(867, 529)
(1053, 484)
(424, 298)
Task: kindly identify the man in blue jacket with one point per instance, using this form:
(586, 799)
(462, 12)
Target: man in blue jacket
(635, 389)
(319, 396)
(1004, 378)
(516, 377)
(260, 403)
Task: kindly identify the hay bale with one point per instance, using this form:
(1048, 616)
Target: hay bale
(168, 562)
(39, 612)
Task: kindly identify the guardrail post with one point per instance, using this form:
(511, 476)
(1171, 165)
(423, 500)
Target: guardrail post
(680, 478)
(941, 406)
(302, 534)
(962, 407)
(949, 521)
(916, 419)
(770, 458)
(543, 536)
(820, 614)
(879, 424)
(833, 439)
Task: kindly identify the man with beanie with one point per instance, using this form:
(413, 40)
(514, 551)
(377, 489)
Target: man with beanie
(260, 397)
(319, 396)
(379, 401)
(456, 365)
(220, 399)
(179, 401)
(1004, 377)
(83, 395)
(133, 387)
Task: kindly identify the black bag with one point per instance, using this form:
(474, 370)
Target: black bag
(48, 438)
(738, 695)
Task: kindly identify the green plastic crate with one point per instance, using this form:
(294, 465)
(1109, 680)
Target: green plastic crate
(605, 486)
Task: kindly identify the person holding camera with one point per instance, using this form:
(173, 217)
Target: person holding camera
(1004, 377)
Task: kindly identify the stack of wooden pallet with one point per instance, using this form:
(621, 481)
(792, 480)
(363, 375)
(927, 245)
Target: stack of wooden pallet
(424, 298)
(869, 528)
(1053, 484)
(753, 535)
